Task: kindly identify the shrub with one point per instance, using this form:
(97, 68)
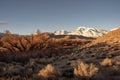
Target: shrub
(49, 72)
(85, 70)
(106, 62)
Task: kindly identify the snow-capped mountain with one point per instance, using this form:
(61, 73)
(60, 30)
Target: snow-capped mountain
(83, 31)
(88, 32)
(61, 32)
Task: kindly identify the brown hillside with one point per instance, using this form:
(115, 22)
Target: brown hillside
(110, 38)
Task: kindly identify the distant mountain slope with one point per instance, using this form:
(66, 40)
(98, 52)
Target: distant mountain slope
(1, 34)
(83, 31)
(111, 37)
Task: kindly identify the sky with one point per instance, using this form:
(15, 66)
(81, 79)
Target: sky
(26, 16)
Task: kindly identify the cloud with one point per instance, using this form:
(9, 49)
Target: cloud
(3, 23)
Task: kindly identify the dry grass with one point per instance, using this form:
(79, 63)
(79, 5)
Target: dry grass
(49, 72)
(106, 62)
(85, 70)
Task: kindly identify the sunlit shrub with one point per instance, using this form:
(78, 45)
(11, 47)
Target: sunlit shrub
(49, 72)
(85, 70)
(106, 62)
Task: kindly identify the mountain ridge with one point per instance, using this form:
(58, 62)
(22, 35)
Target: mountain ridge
(83, 31)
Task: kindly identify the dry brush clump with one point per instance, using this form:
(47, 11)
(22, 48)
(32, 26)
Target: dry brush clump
(106, 62)
(49, 72)
(84, 70)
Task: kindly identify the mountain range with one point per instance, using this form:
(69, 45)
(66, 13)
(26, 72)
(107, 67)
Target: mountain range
(83, 31)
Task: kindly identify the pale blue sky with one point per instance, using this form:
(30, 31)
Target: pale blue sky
(25, 16)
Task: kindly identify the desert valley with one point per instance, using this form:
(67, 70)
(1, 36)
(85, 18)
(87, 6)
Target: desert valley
(82, 54)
